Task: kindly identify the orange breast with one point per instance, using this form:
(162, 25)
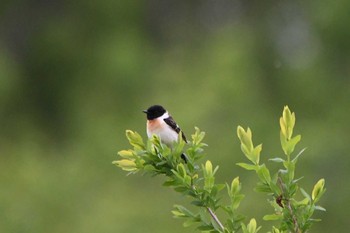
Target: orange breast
(153, 125)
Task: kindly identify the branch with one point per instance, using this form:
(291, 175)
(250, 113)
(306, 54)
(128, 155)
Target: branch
(212, 214)
(295, 221)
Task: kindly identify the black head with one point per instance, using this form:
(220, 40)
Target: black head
(154, 112)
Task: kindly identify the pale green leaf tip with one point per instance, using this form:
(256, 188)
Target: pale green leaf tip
(318, 189)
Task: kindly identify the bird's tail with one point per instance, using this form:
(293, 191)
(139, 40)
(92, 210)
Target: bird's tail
(184, 157)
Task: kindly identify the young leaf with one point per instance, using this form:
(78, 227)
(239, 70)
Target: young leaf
(305, 194)
(248, 166)
(126, 154)
(303, 202)
(263, 188)
(181, 170)
(251, 227)
(235, 186)
(209, 168)
(184, 210)
(255, 155)
(208, 176)
(277, 160)
(264, 174)
(287, 122)
(318, 190)
(126, 164)
(297, 156)
(247, 147)
(245, 137)
(197, 137)
(273, 217)
(320, 208)
(276, 230)
(135, 140)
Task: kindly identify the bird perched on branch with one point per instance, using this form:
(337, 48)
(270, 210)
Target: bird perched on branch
(160, 123)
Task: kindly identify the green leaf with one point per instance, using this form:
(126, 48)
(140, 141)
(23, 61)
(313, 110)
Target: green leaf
(237, 201)
(263, 188)
(297, 156)
(247, 147)
(205, 228)
(209, 183)
(255, 155)
(235, 186)
(245, 137)
(177, 174)
(149, 168)
(126, 154)
(220, 187)
(277, 160)
(264, 174)
(289, 145)
(292, 189)
(287, 122)
(318, 190)
(273, 217)
(305, 194)
(251, 227)
(248, 166)
(292, 143)
(197, 137)
(303, 202)
(275, 230)
(208, 176)
(178, 214)
(181, 189)
(190, 222)
(290, 166)
(135, 140)
(181, 170)
(183, 210)
(126, 164)
(208, 168)
(171, 183)
(178, 147)
(320, 208)
(296, 180)
(315, 220)
(246, 151)
(274, 188)
(244, 228)
(197, 203)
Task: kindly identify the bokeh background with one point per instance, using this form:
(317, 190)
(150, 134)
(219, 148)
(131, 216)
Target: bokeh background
(74, 75)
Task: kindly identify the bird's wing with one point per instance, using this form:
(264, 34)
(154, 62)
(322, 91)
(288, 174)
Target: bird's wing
(170, 121)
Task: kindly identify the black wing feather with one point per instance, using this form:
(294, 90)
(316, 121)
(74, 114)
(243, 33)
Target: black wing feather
(170, 121)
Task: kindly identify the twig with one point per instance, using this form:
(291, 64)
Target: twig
(212, 214)
(295, 221)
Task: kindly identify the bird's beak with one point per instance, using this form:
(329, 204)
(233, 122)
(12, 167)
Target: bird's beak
(145, 111)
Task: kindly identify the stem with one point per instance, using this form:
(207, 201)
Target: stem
(289, 207)
(295, 221)
(212, 214)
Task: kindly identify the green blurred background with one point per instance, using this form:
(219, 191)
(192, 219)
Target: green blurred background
(74, 75)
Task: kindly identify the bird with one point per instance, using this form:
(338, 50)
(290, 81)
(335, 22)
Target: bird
(162, 124)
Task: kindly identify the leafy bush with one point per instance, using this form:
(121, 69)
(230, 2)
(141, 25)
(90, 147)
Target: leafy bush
(198, 181)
